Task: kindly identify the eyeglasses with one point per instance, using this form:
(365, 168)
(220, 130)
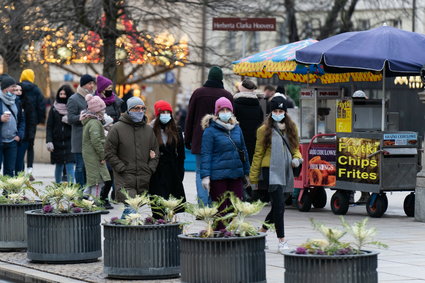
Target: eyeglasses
(137, 108)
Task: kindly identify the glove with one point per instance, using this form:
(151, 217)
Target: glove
(297, 162)
(247, 181)
(206, 183)
(108, 120)
(50, 146)
(65, 119)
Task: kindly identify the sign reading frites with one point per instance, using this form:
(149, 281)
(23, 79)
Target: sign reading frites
(355, 160)
(244, 24)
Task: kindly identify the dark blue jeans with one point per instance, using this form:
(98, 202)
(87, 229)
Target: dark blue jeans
(20, 163)
(8, 157)
(80, 170)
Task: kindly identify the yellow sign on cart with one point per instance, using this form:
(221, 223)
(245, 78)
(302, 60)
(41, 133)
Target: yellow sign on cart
(344, 115)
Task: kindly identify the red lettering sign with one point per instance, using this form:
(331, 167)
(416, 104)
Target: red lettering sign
(244, 24)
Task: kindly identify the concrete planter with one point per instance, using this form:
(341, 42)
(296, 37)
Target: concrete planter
(141, 252)
(233, 259)
(331, 269)
(63, 238)
(13, 225)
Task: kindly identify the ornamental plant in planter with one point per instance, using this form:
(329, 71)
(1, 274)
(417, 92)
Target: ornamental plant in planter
(66, 230)
(235, 254)
(154, 250)
(331, 260)
(14, 201)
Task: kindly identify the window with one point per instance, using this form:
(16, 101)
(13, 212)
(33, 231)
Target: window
(363, 24)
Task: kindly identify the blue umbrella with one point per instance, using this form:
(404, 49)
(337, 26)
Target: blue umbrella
(395, 52)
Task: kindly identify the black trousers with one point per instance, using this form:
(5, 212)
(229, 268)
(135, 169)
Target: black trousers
(277, 198)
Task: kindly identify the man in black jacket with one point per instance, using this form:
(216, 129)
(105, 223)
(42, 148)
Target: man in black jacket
(34, 110)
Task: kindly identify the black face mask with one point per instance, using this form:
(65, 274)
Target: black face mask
(61, 100)
(108, 93)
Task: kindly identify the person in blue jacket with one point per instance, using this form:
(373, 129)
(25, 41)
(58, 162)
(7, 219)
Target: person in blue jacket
(12, 125)
(224, 158)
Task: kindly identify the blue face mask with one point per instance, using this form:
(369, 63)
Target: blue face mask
(165, 118)
(279, 117)
(9, 94)
(136, 116)
(224, 116)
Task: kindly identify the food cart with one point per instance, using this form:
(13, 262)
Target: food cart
(345, 150)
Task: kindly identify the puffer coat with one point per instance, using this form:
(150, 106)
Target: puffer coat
(219, 156)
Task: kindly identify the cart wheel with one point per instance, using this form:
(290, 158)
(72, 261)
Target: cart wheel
(305, 203)
(319, 197)
(384, 196)
(409, 205)
(339, 203)
(378, 208)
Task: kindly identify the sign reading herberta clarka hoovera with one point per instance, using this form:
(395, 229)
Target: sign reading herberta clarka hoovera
(356, 161)
(244, 24)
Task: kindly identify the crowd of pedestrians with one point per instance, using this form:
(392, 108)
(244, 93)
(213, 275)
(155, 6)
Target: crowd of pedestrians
(242, 143)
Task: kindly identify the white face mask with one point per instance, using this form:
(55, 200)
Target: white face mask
(278, 117)
(225, 116)
(164, 118)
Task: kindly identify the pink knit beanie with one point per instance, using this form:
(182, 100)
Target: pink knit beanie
(95, 103)
(221, 103)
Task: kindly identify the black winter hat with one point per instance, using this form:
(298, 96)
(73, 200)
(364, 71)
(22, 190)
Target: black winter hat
(278, 102)
(280, 89)
(85, 79)
(6, 82)
(215, 74)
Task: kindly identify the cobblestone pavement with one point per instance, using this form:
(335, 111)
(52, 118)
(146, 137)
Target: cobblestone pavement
(403, 261)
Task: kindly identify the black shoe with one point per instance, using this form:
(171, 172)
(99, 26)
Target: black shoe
(104, 211)
(108, 205)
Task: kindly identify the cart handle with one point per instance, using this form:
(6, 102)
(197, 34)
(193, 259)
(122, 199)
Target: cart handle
(318, 136)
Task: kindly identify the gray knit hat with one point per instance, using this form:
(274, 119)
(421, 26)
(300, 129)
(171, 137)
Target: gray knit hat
(134, 101)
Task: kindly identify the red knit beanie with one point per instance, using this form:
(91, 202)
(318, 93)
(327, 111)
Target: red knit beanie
(162, 105)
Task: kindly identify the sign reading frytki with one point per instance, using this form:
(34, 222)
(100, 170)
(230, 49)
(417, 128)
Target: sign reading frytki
(344, 110)
(321, 165)
(356, 161)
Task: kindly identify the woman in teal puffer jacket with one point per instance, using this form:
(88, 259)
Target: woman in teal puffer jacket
(224, 158)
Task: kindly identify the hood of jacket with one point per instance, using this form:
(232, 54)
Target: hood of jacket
(27, 86)
(245, 95)
(212, 120)
(125, 118)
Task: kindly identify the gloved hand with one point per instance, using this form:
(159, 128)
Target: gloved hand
(297, 162)
(108, 120)
(206, 183)
(50, 146)
(65, 119)
(248, 183)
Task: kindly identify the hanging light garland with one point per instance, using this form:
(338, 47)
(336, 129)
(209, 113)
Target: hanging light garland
(64, 47)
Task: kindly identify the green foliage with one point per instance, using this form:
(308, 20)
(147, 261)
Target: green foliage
(14, 189)
(294, 92)
(333, 244)
(167, 208)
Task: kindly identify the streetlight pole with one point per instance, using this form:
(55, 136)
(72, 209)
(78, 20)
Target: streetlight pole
(204, 39)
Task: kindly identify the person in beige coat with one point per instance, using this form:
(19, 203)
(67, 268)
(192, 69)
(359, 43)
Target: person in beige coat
(132, 150)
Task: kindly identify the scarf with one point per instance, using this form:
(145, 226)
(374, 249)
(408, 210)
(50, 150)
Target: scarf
(61, 108)
(214, 84)
(227, 126)
(82, 91)
(281, 174)
(6, 99)
(108, 100)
